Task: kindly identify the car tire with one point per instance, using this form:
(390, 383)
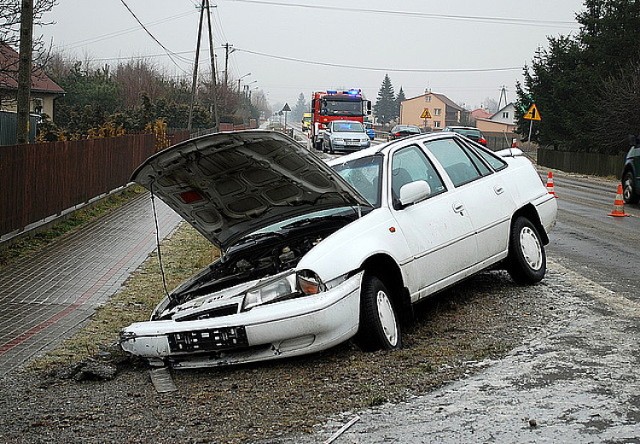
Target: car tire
(379, 324)
(628, 190)
(527, 260)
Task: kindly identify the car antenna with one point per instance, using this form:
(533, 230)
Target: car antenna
(155, 218)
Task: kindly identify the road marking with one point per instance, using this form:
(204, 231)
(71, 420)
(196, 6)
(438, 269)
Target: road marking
(608, 297)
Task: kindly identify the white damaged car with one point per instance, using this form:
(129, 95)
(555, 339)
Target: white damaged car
(313, 254)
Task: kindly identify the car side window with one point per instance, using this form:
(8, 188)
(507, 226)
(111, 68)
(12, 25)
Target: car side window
(410, 164)
(479, 164)
(454, 160)
(496, 162)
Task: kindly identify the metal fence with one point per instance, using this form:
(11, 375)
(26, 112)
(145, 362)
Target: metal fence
(9, 126)
(39, 182)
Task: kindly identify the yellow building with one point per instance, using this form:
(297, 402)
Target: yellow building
(430, 111)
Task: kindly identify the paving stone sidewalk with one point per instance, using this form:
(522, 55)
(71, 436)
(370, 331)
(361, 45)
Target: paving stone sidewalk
(46, 297)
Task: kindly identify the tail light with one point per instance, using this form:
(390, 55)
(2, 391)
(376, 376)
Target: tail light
(482, 141)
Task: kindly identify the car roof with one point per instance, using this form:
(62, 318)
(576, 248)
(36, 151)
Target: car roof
(384, 148)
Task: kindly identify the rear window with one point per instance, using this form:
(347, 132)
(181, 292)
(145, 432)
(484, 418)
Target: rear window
(474, 133)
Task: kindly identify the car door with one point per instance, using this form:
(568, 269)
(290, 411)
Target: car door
(481, 191)
(440, 236)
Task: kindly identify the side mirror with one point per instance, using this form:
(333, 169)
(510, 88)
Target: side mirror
(413, 192)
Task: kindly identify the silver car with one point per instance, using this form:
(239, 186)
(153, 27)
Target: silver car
(345, 136)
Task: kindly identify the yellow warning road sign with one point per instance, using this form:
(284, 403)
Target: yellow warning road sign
(425, 114)
(532, 114)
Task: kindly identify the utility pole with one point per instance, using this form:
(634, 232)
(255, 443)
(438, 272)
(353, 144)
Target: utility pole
(226, 63)
(503, 93)
(24, 71)
(214, 82)
(195, 68)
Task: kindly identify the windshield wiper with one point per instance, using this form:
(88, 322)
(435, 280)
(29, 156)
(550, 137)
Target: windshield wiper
(257, 236)
(310, 220)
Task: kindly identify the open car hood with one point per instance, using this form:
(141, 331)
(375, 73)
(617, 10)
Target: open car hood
(229, 185)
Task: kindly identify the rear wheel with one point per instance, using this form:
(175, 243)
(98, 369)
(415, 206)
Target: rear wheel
(379, 325)
(527, 260)
(628, 190)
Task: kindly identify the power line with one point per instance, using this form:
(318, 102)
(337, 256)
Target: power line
(169, 52)
(372, 68)
(124, 31)
(484, 19)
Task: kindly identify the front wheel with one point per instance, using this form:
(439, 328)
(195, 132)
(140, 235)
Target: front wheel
(628, 190)
(527, 260)
(379, 325)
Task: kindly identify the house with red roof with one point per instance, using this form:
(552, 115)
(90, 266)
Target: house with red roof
(44, 91)
(503, 121)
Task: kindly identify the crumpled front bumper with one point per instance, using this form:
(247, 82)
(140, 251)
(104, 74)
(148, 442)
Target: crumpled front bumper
(289, 328)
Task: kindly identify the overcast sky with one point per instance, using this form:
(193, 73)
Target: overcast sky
(465, 49)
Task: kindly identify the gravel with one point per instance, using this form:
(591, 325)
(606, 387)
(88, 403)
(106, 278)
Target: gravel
(110, 397)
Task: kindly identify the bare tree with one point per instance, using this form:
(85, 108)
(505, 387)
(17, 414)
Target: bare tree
(10, 30)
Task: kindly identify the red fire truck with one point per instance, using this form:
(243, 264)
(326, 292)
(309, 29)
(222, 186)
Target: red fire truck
(327, 106)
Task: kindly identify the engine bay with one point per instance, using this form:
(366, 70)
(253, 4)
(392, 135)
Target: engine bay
(258, 256)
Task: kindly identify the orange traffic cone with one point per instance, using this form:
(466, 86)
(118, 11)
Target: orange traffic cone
(550, 189)
(618, 204)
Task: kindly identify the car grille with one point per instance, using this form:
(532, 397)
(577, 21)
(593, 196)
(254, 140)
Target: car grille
(225, 310)
(224, 338)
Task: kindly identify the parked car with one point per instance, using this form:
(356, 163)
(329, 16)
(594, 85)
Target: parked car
(368, 126)
(400, 131)
(631, 173)
(468, 131)
(315, 254)
(345, 136)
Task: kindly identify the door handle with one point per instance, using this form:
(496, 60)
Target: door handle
(498, 189)
(458, 207)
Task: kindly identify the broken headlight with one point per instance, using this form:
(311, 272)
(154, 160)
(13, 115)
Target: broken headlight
(286, 286)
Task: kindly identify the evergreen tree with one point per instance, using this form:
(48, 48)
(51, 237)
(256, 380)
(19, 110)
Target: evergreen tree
(571, 82)
(399, 99)
(300, 108)
(385, 108)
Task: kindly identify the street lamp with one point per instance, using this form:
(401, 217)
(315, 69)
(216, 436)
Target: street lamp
(242, 77)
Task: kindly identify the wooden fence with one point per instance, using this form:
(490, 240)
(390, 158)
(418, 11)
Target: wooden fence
(595, 164)
(39, 182)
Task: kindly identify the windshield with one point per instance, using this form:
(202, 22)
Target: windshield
(347, 127)
(363, 174)
(342, 108)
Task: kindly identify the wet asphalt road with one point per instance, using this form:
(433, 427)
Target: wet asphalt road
(573, 380)
(586, 239)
